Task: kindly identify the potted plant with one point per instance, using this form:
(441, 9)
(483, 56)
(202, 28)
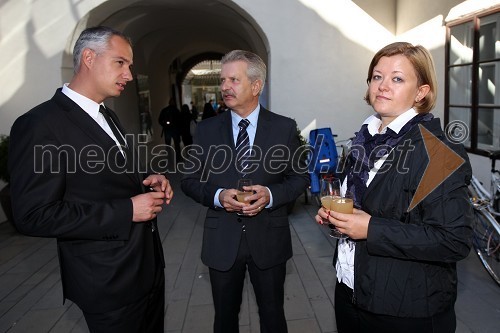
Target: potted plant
(4, 176)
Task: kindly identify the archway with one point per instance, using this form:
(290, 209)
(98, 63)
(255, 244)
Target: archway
(169, 38)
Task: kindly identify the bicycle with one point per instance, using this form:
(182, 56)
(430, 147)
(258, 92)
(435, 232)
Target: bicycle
(486, 227)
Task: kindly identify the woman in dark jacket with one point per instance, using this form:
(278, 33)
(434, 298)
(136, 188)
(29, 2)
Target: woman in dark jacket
(397, 270)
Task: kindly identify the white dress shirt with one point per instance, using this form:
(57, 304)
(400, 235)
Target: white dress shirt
(251, 130)
(92, 108)
(346, 247)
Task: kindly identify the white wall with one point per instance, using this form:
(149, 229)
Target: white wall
(317, 69)
(33, 35)
(411, 13)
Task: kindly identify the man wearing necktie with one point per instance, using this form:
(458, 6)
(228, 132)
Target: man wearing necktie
(248, 142)
(74, 177)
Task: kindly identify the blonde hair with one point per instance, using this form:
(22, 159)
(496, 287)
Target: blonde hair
(421, 60)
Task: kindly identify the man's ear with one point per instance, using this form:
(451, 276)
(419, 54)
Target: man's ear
(256, 86)
(88, 56)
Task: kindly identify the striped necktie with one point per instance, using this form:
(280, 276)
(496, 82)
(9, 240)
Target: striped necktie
(242, 146)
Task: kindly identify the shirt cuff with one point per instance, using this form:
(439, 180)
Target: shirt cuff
(216, 198)
(270, 204)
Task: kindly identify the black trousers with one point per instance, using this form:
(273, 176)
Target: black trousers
(268, 286)
(350, 318)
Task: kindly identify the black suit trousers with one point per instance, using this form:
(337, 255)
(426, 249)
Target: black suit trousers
(268, 286)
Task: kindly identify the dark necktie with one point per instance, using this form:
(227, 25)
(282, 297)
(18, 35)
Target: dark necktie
(113, 126)
(242, 146)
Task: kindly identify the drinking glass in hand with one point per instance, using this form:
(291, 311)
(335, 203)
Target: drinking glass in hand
(329, 190)
(243, 193)
(331, 199)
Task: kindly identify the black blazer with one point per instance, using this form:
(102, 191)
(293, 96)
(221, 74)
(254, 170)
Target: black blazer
(211, 166)
(407, 266)
(68, 181)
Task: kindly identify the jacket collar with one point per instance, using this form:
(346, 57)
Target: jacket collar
(92, 130)
(434, 126)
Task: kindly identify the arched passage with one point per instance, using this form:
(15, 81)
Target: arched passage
(170, 37)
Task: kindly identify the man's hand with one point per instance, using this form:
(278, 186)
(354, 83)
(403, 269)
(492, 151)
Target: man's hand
(159, 183)
(146, 206)
(253, 203)
(227, 199)
(257, 201)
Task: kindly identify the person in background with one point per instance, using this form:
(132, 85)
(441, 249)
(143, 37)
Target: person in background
(397, 270)
(185, 122)
(253, 235)
(208, 111)
(170, 122)
(194, 111)
(103, 214)
(222, 108)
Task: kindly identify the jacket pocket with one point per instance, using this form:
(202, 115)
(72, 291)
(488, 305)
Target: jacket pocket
(81, 248)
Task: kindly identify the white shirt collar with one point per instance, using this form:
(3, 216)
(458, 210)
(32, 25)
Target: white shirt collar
(396, 125)
(252, 117)
(88, 105)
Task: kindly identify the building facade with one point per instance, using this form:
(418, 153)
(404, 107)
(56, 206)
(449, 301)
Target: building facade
(317, 51)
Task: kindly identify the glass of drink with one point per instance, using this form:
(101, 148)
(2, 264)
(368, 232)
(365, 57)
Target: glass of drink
(344, 204)
(243, 193)
(329, 190)
(332, 200)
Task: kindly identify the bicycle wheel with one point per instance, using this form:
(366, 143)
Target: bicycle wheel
(486, 242)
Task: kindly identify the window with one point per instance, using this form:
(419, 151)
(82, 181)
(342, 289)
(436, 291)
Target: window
(473, 72)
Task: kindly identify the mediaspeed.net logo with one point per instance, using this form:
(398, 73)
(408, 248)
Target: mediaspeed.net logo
(443, 162)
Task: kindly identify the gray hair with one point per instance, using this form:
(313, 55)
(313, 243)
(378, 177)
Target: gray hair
(256, 66)
(97, 39)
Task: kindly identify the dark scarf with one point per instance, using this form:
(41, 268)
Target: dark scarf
(367, 149)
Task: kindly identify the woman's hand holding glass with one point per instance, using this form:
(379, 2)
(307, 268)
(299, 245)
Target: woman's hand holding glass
(354, 225)
(331, 199)
(338, 213)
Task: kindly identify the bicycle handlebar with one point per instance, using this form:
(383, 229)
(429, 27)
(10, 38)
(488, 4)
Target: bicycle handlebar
(493, 156)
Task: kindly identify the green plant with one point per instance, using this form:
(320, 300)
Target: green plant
(303, 141)
(304, 147)
(4, 150)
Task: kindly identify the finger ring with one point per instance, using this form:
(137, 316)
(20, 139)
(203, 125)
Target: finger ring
(260, 207)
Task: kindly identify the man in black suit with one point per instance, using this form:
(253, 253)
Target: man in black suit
(74, 177)
(254, 234)
(170, 121)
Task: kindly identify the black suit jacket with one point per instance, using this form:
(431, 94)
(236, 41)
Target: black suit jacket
(68, 181)
(211, 166)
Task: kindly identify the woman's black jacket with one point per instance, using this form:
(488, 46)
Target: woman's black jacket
(407, 265)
